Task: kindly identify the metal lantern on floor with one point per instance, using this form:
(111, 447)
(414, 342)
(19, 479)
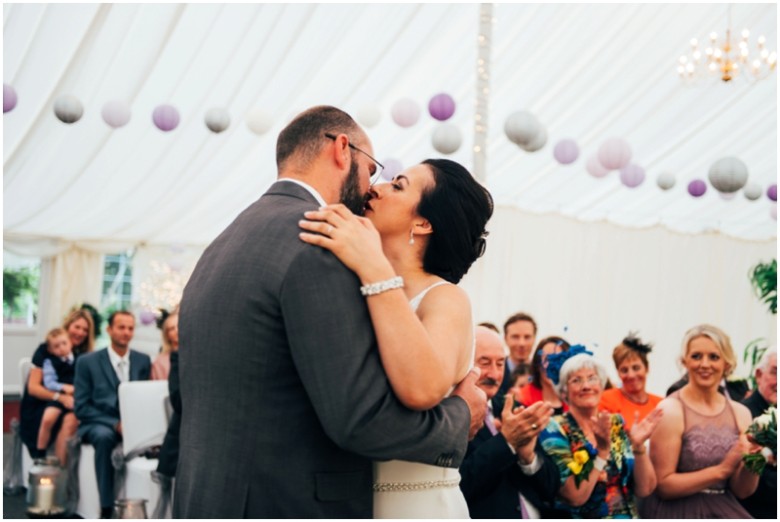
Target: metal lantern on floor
(46, 494)
(130, 508)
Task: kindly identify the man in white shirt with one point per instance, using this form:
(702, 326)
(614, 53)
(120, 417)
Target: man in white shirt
(98, 376)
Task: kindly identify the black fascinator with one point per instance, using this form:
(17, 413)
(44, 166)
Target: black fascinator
(633, 341)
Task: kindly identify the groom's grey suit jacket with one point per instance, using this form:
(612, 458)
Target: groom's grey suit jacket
(284, 399)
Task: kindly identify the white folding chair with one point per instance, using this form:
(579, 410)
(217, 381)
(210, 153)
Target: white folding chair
(144, 423)
(89, 497)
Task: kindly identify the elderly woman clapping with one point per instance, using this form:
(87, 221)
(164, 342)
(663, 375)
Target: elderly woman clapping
(602, 467)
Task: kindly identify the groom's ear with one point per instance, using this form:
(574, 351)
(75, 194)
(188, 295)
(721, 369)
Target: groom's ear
(339, 151)
(423, 228)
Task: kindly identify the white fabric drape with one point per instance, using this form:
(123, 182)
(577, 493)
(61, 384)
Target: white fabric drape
(593, 282)
(69, 278)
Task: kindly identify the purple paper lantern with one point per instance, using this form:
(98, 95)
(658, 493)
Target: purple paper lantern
(405, 112)
(632, 175)
(392, 168)
(697, 188)
(9, 98)
(595, 168)
(165, 117)
(771, 192)
(147, 317)
(614, 154)
(566, 152)
(441, 107)
(115, 113)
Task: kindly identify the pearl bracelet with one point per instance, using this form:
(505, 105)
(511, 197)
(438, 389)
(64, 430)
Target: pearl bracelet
(382, 286)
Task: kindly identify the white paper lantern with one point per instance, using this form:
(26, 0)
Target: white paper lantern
(368, 115)
(446, 138)
(521, 127)
(595, 168)
(666, 180)
(115, 113)
(566, 152)
(632, 175)
(614, 154)
(68, 109)
(538, 142)
(405, 112)
(752, 191)
(217, 119)
(259, 121)
(728, 174)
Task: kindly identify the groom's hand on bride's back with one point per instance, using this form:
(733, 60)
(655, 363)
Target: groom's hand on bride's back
(475, 399)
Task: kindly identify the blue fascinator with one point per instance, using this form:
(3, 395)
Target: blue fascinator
(556, 360)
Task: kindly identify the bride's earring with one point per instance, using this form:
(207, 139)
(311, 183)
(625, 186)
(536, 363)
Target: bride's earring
(411, 237)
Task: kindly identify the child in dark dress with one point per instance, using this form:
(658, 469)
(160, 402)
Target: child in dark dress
(58, 372)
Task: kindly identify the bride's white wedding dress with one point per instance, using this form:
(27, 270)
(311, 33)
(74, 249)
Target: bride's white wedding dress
(412, 490)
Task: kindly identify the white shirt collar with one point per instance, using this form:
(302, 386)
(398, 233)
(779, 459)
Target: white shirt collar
(308, 187)
(115, 357)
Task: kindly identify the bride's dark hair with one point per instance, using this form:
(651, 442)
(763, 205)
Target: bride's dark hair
(458, 208)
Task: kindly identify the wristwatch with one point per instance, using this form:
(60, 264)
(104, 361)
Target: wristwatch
(56, 396)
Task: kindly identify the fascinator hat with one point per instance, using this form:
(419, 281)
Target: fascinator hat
(555, 361)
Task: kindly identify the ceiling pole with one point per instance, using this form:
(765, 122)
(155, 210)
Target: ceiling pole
(483, 89)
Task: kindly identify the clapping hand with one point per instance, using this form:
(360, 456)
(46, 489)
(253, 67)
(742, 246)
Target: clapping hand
(641, 431)
(601, 425)
(520, 426)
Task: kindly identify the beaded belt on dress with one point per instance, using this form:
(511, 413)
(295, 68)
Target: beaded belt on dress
(415, 486)
(709, 491)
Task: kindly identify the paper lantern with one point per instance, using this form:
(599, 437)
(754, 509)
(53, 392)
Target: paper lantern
(217, 119)
(147, 317)
(771, 192)
(68, 109)
(441, 107)
(632, 175)
(614, 154)
(728, 175)
(537, 143)
(165, 117)
(405, 112)
(521, 127)
(115, 113)
(595, 168)
(368, 115)
(259, 121)
(752, 191)
(392, 168)
(566, 152)
(666, 180)
(446, 138)
(728, 196)
(9, 98)
(697, 188)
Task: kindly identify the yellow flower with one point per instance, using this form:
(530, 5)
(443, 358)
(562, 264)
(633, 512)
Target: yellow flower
(581, 457)
(575, 467)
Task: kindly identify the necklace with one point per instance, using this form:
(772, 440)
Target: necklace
(647, 398)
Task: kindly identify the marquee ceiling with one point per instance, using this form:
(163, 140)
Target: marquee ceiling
(588, 72)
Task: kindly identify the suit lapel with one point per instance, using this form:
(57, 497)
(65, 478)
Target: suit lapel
(105, 364)
(134, 366)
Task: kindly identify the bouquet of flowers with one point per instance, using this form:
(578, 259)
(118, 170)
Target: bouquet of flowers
(762, 432)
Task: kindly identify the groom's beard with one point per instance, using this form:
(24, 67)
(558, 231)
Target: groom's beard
(350, 192)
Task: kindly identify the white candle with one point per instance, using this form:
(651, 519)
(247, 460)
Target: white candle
(45, 497)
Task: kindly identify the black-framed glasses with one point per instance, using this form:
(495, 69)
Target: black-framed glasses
(379, 167)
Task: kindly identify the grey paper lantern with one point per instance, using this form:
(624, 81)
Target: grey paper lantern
(752, 191)
(539, 141)
(68, 109)
(217, 120)
(259, 121)
(522, 127)
(728, 175)
(368, 115)
(446, 138)
(666, 180)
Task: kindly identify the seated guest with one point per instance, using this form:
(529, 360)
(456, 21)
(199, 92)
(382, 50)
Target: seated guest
(631, 400)
(763, 503)
(541, 388)
(520, 378)
(36, 397)
(504, 474)
(169, 327)
(97, 400)
(57, 377)
(698, 446)
(602, 467)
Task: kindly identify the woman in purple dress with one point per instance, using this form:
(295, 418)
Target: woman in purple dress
(698, 446)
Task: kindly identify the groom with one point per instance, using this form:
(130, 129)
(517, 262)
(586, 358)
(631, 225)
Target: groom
(284, 399)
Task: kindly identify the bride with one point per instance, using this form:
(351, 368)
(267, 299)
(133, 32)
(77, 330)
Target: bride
(426, 226)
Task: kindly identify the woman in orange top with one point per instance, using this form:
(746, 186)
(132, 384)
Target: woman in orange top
(541, 388)
(631, 400)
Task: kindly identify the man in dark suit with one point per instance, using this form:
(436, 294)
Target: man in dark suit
(284, 399)
(763, 503)
(98, 375)
(504, 474)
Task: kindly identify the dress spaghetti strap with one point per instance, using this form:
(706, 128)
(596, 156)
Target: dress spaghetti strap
(415, 301)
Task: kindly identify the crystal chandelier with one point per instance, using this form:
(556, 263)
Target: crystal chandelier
(727, 59)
